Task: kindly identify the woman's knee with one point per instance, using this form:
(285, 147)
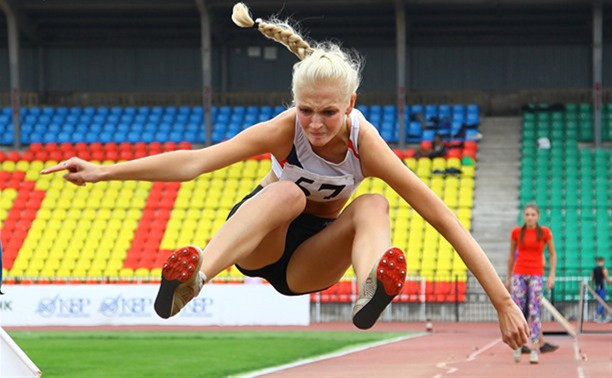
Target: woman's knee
(371, 203)
(286, 195)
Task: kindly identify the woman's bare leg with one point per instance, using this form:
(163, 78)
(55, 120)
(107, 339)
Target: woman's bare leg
(359, 237)
(255, 235)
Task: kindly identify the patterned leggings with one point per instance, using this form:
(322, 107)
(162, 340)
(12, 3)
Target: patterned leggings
(527, 293)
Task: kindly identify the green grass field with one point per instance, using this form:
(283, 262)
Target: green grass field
(178, 354)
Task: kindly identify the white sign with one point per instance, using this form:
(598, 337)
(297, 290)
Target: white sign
(88, 305)
(13, 361)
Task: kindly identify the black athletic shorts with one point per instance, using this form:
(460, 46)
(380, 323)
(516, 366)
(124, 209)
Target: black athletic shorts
(302, 228)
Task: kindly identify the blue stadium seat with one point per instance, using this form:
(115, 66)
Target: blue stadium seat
(458, 109)
(72, 118)
(75, 110)
(30, 118)
(193, 127)
(25, 128)
(154, 118)
(428, 135)
(170, 110)
(133, 137)
(40, 128)
(161, 136)
(63, 137)
(147, 137)
(417, 108)
(109, 127)
(252, 110)
(116, 110)
(36, 137)
(165, 127)
(217, 136)
(85, 118)
(112, 118)
(54, 127)
(49, 137)
(157, 110)
(58, 118)
(143, 110)
(184, 110)
(175, 137)
(91, 137)
(444, 111)
(120, 136)
(190, 136)
(6, 138)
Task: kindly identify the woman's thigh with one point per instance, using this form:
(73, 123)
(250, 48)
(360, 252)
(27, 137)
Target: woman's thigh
(270, 206)
(324, 258)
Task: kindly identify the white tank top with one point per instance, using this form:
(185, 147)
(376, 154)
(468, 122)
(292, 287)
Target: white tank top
(320, 179)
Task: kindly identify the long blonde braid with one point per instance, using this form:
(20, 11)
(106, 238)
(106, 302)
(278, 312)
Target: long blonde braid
(275, 30)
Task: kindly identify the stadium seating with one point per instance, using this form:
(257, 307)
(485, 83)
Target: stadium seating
(175, 124)
(123, 231)
(572, 185)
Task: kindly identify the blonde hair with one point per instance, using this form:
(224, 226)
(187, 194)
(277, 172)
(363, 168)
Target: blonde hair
(324, 63)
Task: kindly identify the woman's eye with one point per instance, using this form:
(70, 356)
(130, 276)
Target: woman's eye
(306, 111)
(330, 113)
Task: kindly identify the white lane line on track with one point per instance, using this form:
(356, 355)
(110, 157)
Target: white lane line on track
(471, 357)
(323, 357)
(490, 345)
(578, 357)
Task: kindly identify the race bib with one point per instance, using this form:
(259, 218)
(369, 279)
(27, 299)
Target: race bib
(318, 187)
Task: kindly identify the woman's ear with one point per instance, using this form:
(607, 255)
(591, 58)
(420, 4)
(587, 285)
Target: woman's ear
(351, 103)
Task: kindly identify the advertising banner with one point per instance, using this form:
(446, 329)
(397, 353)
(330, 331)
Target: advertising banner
(88, 305)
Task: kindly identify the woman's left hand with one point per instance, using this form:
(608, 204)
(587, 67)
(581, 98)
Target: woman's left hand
(512, 324)
(550, 282)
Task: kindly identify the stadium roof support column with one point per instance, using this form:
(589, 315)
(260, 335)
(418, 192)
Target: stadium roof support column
(13, 44)
(206, 68)
(400, 40)
(597, 68)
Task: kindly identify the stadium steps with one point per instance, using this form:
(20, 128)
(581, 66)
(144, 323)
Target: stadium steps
(496, 187)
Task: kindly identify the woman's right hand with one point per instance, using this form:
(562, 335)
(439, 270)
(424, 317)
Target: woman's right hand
(79, 171)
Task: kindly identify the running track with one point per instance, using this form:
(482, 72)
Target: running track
(464, 350)
(452, 350)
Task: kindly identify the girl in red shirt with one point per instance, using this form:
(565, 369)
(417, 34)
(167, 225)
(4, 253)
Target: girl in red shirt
(526, 271)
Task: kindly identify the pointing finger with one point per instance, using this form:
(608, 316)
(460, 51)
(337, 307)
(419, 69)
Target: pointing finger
(56, 168)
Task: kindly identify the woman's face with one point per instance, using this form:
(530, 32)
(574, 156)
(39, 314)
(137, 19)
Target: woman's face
(531, 217)
(322, 112)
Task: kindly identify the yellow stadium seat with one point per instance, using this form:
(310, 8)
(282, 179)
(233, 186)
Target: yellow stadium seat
(467, 171)
(126, 273)
(142, 272)
(411, 163)
(453, 163)
(438, 163)
(8, 166)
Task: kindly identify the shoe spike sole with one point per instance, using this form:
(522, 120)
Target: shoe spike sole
(390, 278)
(179, 267)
